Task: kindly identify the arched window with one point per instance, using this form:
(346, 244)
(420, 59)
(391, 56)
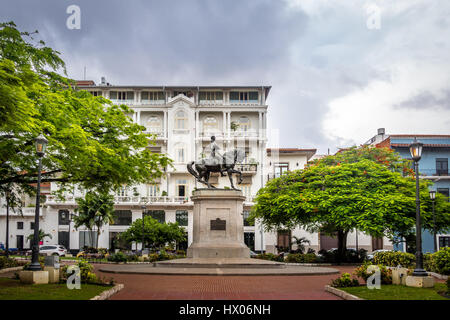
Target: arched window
(180, 120)
(210, 124)
(244, 123)
(154, 124)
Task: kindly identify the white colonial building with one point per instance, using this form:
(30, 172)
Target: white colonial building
(183, 118)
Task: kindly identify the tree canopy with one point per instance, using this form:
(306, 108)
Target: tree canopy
(368, 189)
(91, 142)
(156, 234)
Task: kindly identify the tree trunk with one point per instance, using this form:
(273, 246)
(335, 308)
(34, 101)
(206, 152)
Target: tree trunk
(342, 245)
(98, 235)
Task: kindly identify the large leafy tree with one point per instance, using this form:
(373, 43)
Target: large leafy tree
(92, 142)
(369, 189)
(156, 234)
(96, 209)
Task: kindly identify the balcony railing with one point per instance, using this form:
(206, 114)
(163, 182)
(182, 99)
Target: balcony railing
(433, 172)
(153, 102)
(158, 133)
(247, 167)
(241, 133)
(126, 200)
(26, 211)
(119, 102)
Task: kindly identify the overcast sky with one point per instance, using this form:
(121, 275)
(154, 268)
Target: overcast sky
(337, 71)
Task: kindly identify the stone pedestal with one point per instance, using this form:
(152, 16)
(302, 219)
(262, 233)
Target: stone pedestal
(399, 276)
(53, 274)
(33, 277)
(420, 282)
(218, 225)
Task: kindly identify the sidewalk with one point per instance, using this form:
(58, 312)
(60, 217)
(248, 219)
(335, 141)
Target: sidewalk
(162, 287)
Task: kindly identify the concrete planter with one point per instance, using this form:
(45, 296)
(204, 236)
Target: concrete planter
(108, 293)
(342, 294)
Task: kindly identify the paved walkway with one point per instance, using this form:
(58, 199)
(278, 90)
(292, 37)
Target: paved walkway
(163, 287)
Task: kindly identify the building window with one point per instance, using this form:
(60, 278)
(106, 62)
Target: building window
(280, 169)
(96, 93)
(444, 242)
(249, 240)
(244, 96)
(441, 166)
(87, 239)
(246, 191)
(31, 225)
(244, 124)
(122, 192)
(180, 120)
(180, 153)
(210, 124)
(211, 96)
(154, 124)
(181, 188)
(284, 240)
(121, 95)
(182, 217)
(158, 215)
(122, 218)
(152, 190)
(63, 217)
(245, 215)
(444, 191)
(152, 96)
(19, 225)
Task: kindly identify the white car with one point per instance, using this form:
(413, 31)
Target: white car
(371, 255)
(53, 250)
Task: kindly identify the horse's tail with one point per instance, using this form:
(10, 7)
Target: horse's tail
(192, 171)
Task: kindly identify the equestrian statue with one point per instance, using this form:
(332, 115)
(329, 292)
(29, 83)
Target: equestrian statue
(217, 163)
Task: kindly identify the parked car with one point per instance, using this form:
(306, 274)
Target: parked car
(371, 255)
(51, 250)
(253, 254)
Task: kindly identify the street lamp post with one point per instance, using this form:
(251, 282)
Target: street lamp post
(416, 153)
(433, 198)
(143, 229)
(7, 194)
(71, 216)
(41, 144)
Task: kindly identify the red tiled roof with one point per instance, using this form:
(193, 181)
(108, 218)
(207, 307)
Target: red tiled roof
(85, 83)
(290, 150)
(431, 145)
(421, 135)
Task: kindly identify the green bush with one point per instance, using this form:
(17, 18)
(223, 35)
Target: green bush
(302, 258)
(344, 281)
(86, 273)
(270, 256)
(118, 257)
(386, 274)
(6, 262)
(441, 261)
(394, 258)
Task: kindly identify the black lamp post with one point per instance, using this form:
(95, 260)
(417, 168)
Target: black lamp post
(416, 153)
(41, 144)
(7, 194)
(433, 199)
(143, 229)
(71, 216)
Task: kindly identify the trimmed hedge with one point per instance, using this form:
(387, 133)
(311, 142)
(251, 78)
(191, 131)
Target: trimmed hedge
(438, 262)
(394, 258)
(302, 258)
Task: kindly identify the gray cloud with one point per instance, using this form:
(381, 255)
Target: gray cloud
(427, 100)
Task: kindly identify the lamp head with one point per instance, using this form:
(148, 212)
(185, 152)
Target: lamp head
(432, 194)
(416, 150)
(41, 145)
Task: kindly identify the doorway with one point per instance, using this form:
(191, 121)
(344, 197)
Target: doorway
(19, 242)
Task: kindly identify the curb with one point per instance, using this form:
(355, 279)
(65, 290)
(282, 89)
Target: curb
(108, 293)
(342, 294)
(437, 275)
(6, 270)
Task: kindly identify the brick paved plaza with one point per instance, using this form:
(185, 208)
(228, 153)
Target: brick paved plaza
(173, 287)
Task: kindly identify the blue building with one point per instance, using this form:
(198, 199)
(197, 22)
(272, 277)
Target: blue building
(433, 166)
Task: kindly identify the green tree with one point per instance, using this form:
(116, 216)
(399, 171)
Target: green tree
(42, 236)
(94, 210)
(366, 188)
(92, 142)
(300, 243)
(156, 235)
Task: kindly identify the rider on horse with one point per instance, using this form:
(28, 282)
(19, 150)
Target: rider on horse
(215, 157)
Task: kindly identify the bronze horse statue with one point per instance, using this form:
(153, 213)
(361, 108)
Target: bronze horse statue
(229, 159)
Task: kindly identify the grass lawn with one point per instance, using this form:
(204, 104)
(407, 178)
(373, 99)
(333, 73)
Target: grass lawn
(12, 289)
(396, 292)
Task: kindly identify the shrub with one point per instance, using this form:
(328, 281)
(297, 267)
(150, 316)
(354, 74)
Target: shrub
(448, 286)
(344, 281)
(118, 257)
(6, 262)
(181, 252)
(301, 258)
(386, 274)
(441, 261)
(270, 256)
(394, 258)
(132, 258)
(87, 274)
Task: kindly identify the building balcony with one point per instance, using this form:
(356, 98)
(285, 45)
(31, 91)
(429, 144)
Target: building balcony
(152, 102)
(158, 133)
(241, 133)
(121, 200)
(120, 101)
(433, 173)
(211, 102)
(26, 211)
(247, 168)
